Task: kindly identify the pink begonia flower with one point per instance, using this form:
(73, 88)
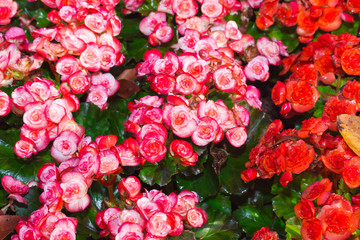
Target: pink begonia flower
(257, 69)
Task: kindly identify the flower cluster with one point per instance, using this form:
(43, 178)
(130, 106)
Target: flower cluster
(203, 121)
(45, 115)
(309, 16)
(326, 59)
(334, 217)
(14, 63)
(156, 28)
(293, 151)
(265, 234)
(152, 212)
(209, 47)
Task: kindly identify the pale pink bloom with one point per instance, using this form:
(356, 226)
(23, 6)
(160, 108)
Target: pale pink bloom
(237, 136)
(8, 9)
(96, 22)
(64, 146)
(232, 31)
(129, 187)
(224, 79)
(206, 131)
(257, 69)
(185, 8)
(196, 217)
(149, 23)
(67, 13)
(90, 58)
(5, 104)
(182, 121)
(158, 225)
(109, 162)
(185, 84)
(212, 8)
(252, 97)
(129, 231)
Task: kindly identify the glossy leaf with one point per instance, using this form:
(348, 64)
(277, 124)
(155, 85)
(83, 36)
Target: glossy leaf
(251, 218)
(159, 173)
(95, 121)
(148, 6)
(32, 197)
(292, 228)
(206, 184)
(283, 203)
(185, 235)
(137, 48)
(220, 224)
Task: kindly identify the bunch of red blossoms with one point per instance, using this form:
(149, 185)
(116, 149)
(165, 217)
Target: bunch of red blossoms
(333, 217)
(327, 59)
(309, 15)
(293, 151)
(154, 212)
(265, 234)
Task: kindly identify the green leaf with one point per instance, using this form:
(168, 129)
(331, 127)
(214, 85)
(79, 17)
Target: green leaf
(130, 29)
(148, 6)
(292, 228)
(86, 228)
(159, 173)
(137, 48)
(32, 198)
(318, 109)
(283, 203)
(94, 120)
(230, 175)
(254, 31)
(220, 224)
(185, 235)
(41, 18)
(251, 218)
(3, 199)
(21, 169)
(288, 38)
(205, 184)
(97, 193)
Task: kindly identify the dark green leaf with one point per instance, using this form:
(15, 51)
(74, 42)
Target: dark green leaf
(41, 18)
(97, 193)
(130, 29)
(159, 173)
(94, 120)
(148, 6)
(32, 198)
(292, 228)
(3, 199)
(283, 203)
(137, 48)
(86, 224)
(251, 218)
(220, 224)
(289, 39)
(254, 31)
(185, 235)
(205, 184)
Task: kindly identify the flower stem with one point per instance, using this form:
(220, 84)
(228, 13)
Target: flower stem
(111, 194)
